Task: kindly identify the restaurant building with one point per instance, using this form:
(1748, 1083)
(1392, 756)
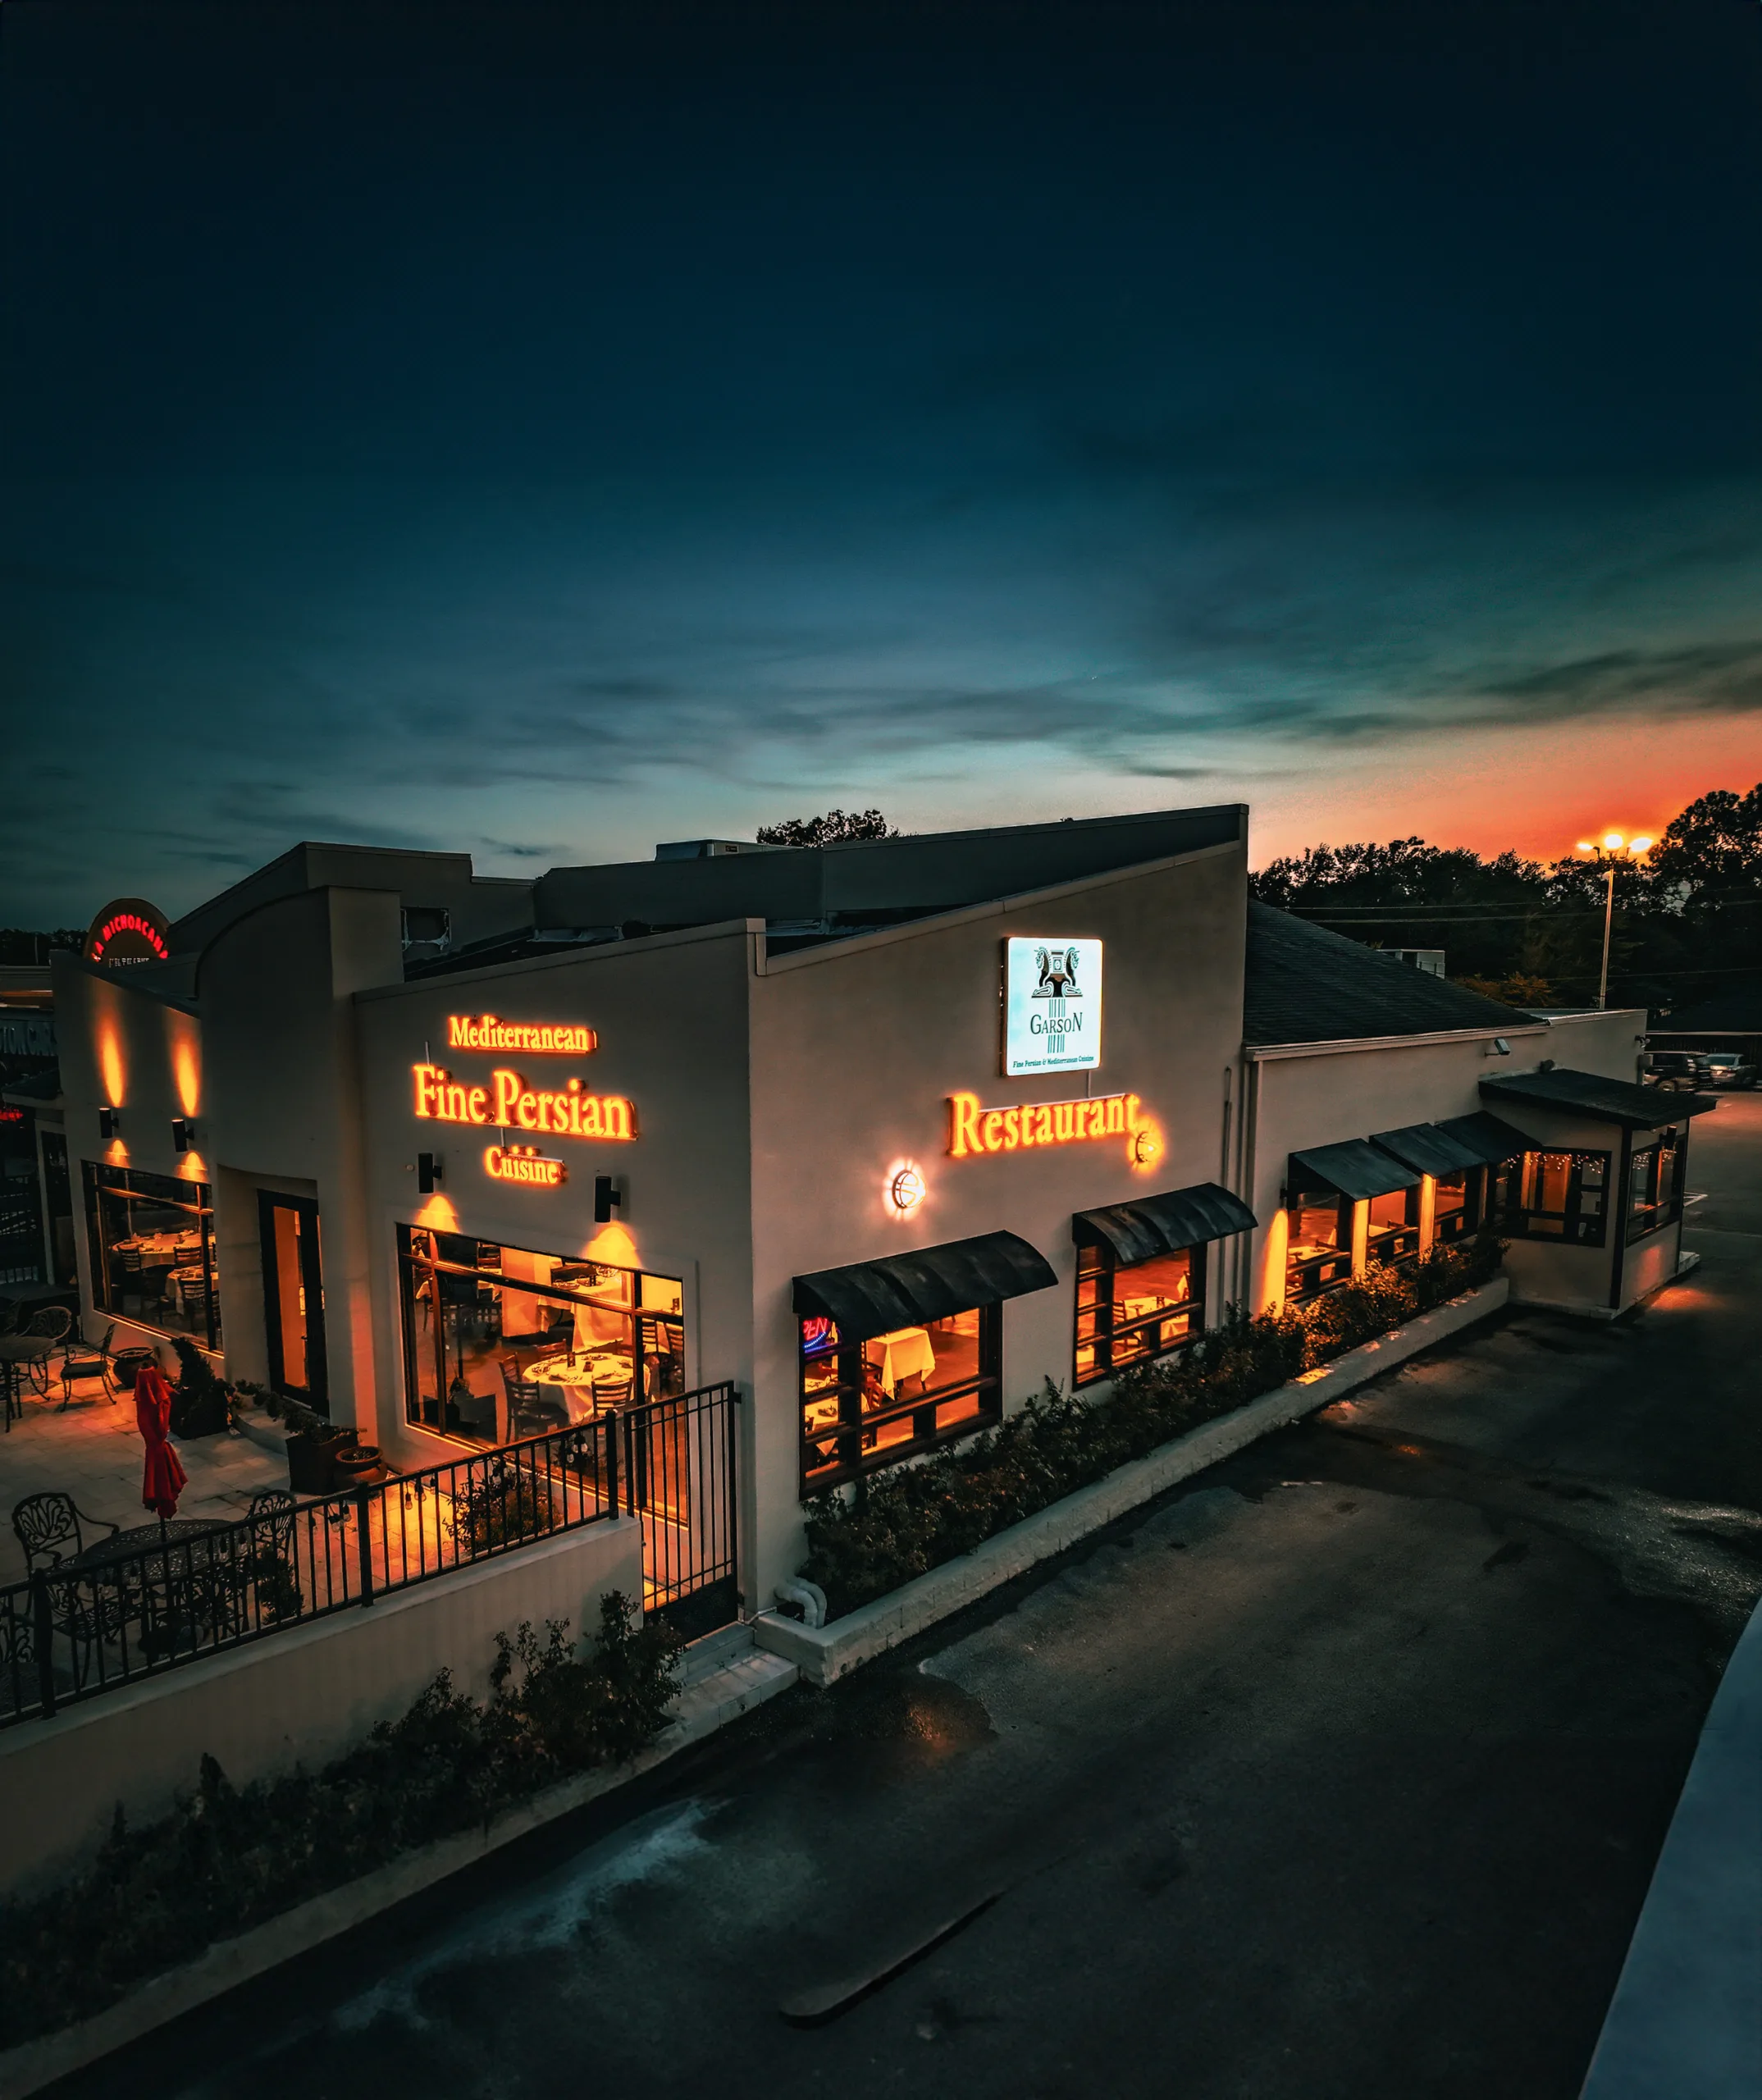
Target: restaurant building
(881, 1136)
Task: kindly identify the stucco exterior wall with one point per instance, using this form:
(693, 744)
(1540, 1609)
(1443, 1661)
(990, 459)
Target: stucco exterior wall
(303, 1696)
(856, 1049)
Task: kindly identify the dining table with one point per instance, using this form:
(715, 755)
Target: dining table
(906, 1353)
(574, 1377)
(164, 1584)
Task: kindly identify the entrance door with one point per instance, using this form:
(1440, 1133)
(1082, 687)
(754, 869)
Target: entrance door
(294, 1297)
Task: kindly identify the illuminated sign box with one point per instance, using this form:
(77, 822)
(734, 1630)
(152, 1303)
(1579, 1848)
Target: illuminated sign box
(1051, 1006)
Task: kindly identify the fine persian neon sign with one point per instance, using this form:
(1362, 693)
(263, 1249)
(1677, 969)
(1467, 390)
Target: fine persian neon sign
(508, 1102)
(973, 1130)
(486, 1031)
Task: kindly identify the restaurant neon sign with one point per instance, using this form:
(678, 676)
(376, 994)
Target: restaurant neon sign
(973, 1130)
(508, 1102)
(523, 1163)
(486, 1032)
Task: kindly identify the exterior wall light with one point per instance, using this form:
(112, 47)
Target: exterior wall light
(1498, 1047)
(906, 1190)
(183, 1132)
(429, 1172)
(1146, 1147)
(109, 1123)
(606, 1198)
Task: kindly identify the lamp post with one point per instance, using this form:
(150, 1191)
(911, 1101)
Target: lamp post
(1612, 850)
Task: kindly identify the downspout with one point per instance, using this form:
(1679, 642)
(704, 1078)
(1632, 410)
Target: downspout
(1617, 1219)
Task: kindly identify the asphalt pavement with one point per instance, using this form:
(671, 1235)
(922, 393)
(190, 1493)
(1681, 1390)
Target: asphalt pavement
(1340, 1771)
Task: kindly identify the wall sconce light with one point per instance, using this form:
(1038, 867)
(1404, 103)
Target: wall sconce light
(906, 1190)
(429, 1172)
(606, 1198)
(183, 1132)
(109, 1123)
(1146, 1147)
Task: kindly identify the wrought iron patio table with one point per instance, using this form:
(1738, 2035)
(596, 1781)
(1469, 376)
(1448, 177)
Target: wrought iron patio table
(158, 1587)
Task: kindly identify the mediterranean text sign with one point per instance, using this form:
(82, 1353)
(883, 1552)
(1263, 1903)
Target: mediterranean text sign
(1051, 1006)
(486, 1031)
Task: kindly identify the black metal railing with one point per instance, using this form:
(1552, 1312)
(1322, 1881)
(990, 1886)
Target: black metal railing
(679, 1466)
(122, 1612)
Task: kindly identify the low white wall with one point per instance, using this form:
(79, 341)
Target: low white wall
(298, 1697)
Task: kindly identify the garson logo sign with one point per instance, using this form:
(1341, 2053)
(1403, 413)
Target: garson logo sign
(508, 1102)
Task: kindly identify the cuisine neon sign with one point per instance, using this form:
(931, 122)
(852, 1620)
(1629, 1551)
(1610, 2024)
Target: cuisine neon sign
(524, 1164)
(508, 1102)
(973, 1130)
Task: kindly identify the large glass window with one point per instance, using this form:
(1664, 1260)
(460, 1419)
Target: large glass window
(1129, 1312)
(503, 1342)
(865, 1403)
(1318, 1245)
(152, 1243)
(1561, 1195)
(1456, 1204)
(1393, 1234)
(1654, 1185)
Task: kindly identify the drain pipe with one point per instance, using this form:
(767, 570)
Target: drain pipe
(796, 1590)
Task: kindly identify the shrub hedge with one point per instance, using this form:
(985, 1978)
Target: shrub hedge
(229, 1858)
(903, 1523)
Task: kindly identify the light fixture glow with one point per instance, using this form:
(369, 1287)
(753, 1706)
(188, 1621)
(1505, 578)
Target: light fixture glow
(1584, 846)
(906, 1190)
(1639, 844)
(1612, 840)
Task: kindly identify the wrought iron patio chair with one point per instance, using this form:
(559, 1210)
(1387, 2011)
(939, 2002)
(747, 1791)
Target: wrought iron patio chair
(80, 1360)
(46, 1524)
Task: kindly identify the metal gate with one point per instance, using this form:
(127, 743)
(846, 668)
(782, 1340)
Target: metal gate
(678, 1463)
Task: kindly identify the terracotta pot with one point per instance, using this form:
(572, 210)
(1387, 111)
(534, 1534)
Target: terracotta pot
(349, 1461)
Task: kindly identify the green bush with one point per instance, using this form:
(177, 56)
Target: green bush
(229, 1858)
(902, 1523)
(503, 1504)
(199, 1398)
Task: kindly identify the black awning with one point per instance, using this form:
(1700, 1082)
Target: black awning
(1489, 1140)
(1158, 1224)
(1427, 1148)
(1605, 1101)
(1355, 1168)
(907, 1290)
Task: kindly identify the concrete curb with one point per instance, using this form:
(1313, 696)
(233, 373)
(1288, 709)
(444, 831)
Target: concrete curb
(1684, 2023)
(825, 1653)
(703, 1708)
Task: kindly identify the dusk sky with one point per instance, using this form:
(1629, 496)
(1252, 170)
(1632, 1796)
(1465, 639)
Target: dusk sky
(498, 429)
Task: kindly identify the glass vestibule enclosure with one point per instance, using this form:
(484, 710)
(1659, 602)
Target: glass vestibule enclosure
(503, 1342)
(152, 1243)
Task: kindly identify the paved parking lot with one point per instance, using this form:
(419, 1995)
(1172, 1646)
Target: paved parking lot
(1341, 1771)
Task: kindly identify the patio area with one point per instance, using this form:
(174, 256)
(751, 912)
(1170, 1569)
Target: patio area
(94, 1452)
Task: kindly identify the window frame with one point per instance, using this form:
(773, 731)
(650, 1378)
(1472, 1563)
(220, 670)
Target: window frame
(853, 1463)
(1309, 1268)
(1463, 1224)
(99, 1179)
(1580, 1226)
(411, 1265)
(1097, 1260)
(1655, 1215)
(1395, 1244)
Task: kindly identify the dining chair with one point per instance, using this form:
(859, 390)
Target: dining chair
(46, 1523)
(608, 1393)
(80, 1360)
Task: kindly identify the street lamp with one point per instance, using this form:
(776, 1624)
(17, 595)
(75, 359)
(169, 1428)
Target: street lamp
(1611, 851)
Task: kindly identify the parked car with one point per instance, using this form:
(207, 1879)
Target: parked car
(1678, 1071)
(1730, 1068)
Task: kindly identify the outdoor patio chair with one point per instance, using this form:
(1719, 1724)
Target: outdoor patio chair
(80, 1360)
(269, 1557)
(33, 1345)
(47, 1523)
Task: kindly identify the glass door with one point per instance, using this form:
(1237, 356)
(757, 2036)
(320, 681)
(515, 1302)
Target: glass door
(294, 1297)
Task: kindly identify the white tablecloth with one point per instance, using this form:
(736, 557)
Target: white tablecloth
(900, 1355)
(574, 1382)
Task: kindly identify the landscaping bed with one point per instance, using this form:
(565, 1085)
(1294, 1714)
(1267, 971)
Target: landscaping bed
(866, 1542)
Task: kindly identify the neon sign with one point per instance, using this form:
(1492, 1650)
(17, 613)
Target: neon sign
(508, 1102)
(485, 1032)
(973, 1130)
(523, 1163)
(128, 931)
